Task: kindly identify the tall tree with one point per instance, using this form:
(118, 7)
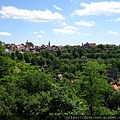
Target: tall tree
(95, 85)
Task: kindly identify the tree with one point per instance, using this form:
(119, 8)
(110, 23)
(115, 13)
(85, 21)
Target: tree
(56, 63)
(20, 56)
(31, 44)
(59, 52)
(52, 56)
(45, 53)
(2, 50)
(114, 101)
(84, 59)
(64, 101)
(64, 68)
(76, 55)
(82, 51)
(33, 61)
(35, 82)
(66, 55)
(69, 48)
(94, 85)
(36, 87)
(101, 47)
(13, 56)
(6, 66)
(41, 61)
(7, 100)
(48, 62)
(27, 57)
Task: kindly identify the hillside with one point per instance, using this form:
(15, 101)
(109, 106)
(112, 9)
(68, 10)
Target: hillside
(52, 85)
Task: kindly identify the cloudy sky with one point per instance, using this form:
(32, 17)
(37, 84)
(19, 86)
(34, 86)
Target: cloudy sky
(62, 22)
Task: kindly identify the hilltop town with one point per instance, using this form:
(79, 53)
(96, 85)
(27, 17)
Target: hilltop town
(29, 47)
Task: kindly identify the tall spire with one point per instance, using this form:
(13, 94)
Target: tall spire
(49, 44)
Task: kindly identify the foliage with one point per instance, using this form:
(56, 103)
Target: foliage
(31, 89)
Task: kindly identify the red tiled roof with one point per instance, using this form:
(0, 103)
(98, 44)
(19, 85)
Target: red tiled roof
(71, 80)
(118, 83)
(60, 76)
(92, 44)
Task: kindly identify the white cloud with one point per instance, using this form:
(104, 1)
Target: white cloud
(108, 20)
(39, 36)
(5, 34)
(74, 1)
(87, 34)
(118, 19)
(42, 31)
(30, 15)
(64, 24)
(79, 33)
(67, 29)
(68, 26)
(64, 31)
(56, 7)
(34, 32)
(98, 8)
(85, 24)
(113, 32)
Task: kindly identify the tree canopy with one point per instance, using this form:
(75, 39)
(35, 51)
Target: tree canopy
(30, 86)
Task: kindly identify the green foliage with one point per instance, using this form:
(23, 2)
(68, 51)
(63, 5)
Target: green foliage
(66, 55)
(30, 88)
(59, 52)
(27, 58)
(94, 84)
(34, 82)
(2, 50)
(33, 61)
(13, 56)
(41, 61)
(114, 101)
(6, 66)
(20, 56)
(31, 44)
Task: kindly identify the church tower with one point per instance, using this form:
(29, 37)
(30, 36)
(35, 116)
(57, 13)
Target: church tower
(27, 45)
(49, 45)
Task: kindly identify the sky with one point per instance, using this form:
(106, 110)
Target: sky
(62, 22)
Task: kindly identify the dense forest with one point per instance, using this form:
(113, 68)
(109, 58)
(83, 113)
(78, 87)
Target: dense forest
(52, 85)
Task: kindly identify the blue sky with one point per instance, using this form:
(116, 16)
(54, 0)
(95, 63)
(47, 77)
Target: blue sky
(68, 22)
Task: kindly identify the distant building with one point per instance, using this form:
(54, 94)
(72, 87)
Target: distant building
(60, 76)
(115, 86)
(48, 47)
(89, 45)
(27, 46)
(71, 80)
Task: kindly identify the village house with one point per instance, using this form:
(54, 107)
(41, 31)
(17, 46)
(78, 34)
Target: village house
(116, 85)
(89, 45)
(71, 80)
(9, 48)
(60, 76)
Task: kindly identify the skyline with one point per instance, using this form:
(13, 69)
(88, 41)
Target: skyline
(72, 22)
